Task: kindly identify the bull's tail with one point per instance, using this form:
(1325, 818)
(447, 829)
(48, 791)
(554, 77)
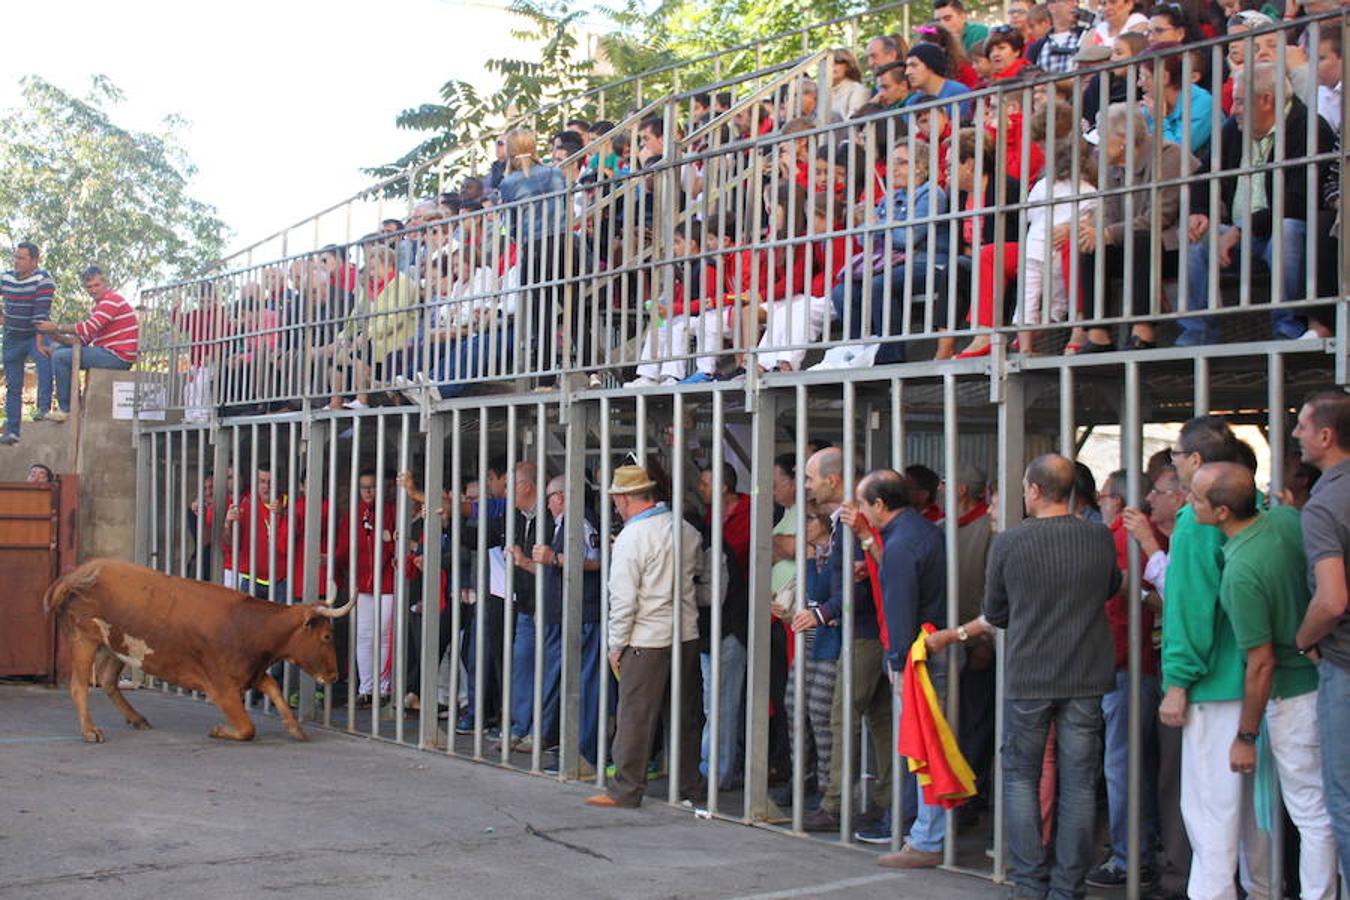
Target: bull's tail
(67, 586)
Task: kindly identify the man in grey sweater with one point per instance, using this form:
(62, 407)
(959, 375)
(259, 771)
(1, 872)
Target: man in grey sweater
(1046, 584)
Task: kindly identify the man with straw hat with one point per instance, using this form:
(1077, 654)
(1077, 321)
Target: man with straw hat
(642, 594)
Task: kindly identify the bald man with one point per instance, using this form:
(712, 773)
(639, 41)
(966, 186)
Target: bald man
(1264, 591)
(1048, 580)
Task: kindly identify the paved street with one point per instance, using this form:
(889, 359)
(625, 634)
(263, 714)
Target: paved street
(172, 813)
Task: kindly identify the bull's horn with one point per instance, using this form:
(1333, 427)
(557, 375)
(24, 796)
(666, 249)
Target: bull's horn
(328, 612)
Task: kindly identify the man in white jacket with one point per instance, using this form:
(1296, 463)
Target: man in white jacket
(642, 601)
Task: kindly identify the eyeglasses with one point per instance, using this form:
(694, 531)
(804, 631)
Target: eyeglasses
(1002, 29)
(1177, 452)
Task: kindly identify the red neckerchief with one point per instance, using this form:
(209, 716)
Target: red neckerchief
(979, 509)
(874, 576)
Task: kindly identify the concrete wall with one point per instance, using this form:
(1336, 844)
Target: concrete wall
(107, 468)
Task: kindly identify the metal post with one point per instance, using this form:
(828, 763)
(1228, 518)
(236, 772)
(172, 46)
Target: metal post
(579, 422)
(1133, 439)
(432, 564)
(760, 619)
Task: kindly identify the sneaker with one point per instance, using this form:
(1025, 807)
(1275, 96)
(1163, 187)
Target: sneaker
(8, 439)
(669, 380)
(880, 833)
(595, 382)
(38, 415)
(910, 858)
(697, 378)
(1109, 874)
(464, 725)
(354, 404)
(641, 381)
(57, 416)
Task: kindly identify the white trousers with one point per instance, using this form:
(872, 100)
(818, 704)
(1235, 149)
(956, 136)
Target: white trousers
(671, 339)
(796, 320)
(1216, 805)
(197, 394)
(227, 578)
(1296, 744)
(1030, 309)
(365, 627)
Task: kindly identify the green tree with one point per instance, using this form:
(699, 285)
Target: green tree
(87, 190)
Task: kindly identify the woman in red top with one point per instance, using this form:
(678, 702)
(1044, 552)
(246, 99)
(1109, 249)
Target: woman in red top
(1004, 47)
(369, 546)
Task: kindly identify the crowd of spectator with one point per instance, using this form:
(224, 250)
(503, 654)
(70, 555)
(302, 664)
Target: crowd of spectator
(108, 338)
(1241, 617)
(956, 178)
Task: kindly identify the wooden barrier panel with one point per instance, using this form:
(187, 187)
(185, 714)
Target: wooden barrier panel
(28, 552)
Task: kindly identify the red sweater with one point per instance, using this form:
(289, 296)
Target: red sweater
(298, 578)
(365, 547)
(113, 326)
(256, 518)
(1118, 610)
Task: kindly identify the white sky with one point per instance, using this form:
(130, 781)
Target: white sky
(286, 100)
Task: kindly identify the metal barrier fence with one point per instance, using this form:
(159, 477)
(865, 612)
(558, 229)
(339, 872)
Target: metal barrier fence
(396, 195)
(309, 498)
(745, 250)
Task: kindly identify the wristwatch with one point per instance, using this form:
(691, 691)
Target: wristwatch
(961, 634)
(1247, 737)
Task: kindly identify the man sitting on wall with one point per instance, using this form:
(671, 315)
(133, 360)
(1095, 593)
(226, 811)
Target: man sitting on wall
(109, 337)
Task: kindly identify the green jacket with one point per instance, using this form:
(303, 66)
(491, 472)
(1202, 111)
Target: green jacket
(1199, 649)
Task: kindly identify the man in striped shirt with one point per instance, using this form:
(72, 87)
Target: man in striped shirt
(27, 293)
(108, 338)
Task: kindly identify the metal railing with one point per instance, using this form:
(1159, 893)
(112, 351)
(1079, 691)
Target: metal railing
(862, 239)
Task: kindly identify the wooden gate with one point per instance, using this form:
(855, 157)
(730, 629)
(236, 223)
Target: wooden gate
(28, 563)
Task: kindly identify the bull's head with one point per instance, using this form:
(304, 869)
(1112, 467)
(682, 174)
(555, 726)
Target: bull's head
(311, 644)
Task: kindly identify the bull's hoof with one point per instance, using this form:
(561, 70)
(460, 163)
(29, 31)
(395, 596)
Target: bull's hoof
(226, 733)
(139, 725)
(93, 736)
(298, 733)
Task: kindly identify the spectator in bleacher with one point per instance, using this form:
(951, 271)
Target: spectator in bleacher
(564, 146)
(883, 50)
(926, 70)
(1117, 17)
(902, 251)
(108, 338)
(1005, 110)
(1055, 52)
(1004, 48)
(1168, 25)
(959, 66)
(847, 92)
(40, 474)
(1120, 126)
(379, 335)
(892, 88)
(26, 292)
(1248, 203)
(995, 257)
(1330, 69)
(1126, 46)
(1039, 25)
(1162, 100)
(951, 15)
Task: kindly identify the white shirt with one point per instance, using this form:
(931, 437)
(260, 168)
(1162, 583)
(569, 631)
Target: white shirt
(1041, 220)
(1329, 105)
(642, 582)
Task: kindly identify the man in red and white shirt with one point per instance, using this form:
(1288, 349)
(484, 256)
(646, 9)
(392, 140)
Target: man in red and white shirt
(109, 338)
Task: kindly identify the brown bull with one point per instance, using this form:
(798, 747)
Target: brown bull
(200, 636)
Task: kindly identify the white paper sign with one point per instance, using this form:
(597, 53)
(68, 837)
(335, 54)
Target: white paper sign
(151, 399)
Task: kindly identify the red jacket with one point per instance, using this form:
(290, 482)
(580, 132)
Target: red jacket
(726, 277)
(832, 256)
(365, 547)
(775, 281)
(1118, 610)
(735, 529)
(257, 518)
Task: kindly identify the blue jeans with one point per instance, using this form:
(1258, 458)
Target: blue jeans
(868, 299)
(90, 358)
(1116, 711)
(592, 670)
(729, 711)
(16, 352)
(522, 679)
(455, 366)
(1204, 329)
(1333, 720)
(1078, 750)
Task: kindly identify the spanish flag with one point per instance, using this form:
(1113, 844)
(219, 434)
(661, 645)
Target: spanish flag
(926, 740)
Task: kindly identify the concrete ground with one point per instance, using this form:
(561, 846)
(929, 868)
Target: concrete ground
(173, 813)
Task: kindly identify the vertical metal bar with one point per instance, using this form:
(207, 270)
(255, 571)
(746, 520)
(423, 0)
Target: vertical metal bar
(453, 600)
(677, 674)
(403, 518)
(606, 530)
(716, 549)
(484, 601)
(1011, 459)
(540, 607)
(1134, 440)
(330, 569)
(432, 565)
(1068, 430)
(353, 587)
(377, 581)
(799, 603)
(950, 413)
(509, 605)
(312, 532)
(579, 421)
(759, 643)
(846, 732)
(1201, 385)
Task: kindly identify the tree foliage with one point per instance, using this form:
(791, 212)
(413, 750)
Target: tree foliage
(87, 190)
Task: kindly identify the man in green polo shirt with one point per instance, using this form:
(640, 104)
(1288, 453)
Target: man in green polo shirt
(1264, 591)
(1202, 677)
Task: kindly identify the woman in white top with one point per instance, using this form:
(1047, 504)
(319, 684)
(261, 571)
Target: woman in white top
(1116, 18)
(847, 92)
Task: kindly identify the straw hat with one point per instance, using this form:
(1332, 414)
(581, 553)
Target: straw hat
(631, 480)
